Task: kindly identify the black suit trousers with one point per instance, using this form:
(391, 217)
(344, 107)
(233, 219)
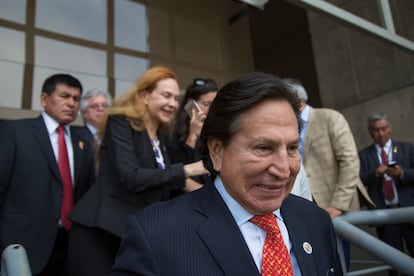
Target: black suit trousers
(57, 264)
(93, 244)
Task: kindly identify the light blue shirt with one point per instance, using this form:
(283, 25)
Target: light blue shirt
(254, 235)
(94, 132)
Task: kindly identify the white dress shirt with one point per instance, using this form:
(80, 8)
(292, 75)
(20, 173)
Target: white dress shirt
(254, 235)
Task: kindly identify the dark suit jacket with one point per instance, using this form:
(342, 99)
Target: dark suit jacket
(128, 178)
(31, 188)
(403, 153)
(86, 133)
(180, 152)
(195, 234)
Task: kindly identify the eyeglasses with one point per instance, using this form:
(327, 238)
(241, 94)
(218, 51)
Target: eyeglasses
(97, 106)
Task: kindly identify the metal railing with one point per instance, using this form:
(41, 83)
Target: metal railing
(14, 261)
(392, 258)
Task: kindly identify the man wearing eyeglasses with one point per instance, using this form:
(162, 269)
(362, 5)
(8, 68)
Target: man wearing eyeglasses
(93, 106)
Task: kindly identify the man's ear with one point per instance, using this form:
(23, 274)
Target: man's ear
(215, 148)
(43, 99)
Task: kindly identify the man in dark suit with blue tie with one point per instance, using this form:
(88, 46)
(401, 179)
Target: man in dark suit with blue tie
(34, 201)
(249, 143)
(387, 169)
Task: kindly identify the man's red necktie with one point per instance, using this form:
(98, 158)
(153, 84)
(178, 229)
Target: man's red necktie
(386, 183)
(64, 169)
(275, 256)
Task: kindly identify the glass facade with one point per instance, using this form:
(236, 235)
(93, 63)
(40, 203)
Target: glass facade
(12, 57)
(72, 37)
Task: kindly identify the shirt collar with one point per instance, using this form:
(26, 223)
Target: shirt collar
(92, 129)
(387, 146)
(240, 214)
(51, 124)
(304, 115)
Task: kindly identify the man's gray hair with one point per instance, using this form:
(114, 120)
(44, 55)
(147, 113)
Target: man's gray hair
(377, 116)
(92, 94)
(297, 88)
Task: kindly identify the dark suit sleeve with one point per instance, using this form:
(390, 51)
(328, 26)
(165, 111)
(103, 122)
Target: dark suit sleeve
(134, 255)
(407, 163)
(7, 148)
(84, 154)
(132, 163)
(180, 152)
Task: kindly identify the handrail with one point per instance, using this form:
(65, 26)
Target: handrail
(380, 216)
(379, 249)
(14, 261)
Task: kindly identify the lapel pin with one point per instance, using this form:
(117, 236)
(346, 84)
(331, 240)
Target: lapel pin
(81, 144)
(307, 247)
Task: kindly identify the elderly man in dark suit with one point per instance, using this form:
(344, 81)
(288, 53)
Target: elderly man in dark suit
(93, 105)
(45, 168)
(249, 143)
(387, 169)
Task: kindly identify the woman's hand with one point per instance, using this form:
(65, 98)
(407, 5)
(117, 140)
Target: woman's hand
(196, 124)
(195, 169)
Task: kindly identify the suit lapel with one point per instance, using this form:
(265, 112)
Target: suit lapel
(395, 147)
(43, 139)
(373, 156)
(78, 146)
(299, 238)
(163, 142)
(222, 236)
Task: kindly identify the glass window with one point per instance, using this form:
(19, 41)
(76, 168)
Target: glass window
(56, 54)
(85, 19)
(13, 10)
(127, 70)
(121, 86)
(12, 59)
(11, 79)
(128, 67)
(131, 25)
(12, 45)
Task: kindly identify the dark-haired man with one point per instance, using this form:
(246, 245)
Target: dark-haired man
(45, 168)
(249, 143)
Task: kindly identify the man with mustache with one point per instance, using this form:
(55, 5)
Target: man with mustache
(46, 167)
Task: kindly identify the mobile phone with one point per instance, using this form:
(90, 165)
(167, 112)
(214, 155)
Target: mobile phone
(190, 105)
(392, 164)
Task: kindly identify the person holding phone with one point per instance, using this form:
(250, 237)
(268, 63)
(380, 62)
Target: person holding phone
(191, 114)
(134, 170)
(387, 169)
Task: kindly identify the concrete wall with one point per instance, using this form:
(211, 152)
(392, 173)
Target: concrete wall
(194, 38)
(359, 74)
